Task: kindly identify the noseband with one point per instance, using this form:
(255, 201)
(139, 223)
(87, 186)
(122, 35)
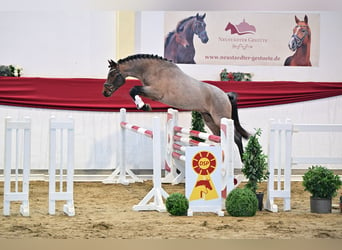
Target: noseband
(299, 41)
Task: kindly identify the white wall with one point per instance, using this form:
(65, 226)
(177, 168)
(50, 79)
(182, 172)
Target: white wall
(77, 43)
(58, 43)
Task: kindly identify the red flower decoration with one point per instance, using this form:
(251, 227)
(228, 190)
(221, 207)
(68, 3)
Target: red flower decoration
(231, 76)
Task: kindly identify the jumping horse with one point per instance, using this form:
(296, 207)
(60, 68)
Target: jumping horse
(165, 82)
(300, 42)
(179, 44)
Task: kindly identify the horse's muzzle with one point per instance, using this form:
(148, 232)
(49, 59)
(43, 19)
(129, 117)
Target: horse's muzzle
(107, 92)
(295, 42)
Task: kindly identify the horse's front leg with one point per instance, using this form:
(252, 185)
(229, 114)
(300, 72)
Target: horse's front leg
(135, 93)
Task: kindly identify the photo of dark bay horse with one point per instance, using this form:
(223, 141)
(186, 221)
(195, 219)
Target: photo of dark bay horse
(163, 81)
(300, 42)
(179, 44)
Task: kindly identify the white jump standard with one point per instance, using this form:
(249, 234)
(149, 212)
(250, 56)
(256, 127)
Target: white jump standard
(123, 174)
(61, 144)
(157, 193)
(18, 139)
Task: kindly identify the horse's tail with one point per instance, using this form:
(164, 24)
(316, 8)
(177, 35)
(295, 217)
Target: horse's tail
(235, 116)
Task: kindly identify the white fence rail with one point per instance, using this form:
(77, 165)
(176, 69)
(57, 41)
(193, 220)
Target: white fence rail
(281, 159)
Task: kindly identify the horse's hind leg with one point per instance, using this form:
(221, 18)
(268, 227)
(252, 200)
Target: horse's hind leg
(238, 142)
(134, 93)
(215, 129)
(209, 121)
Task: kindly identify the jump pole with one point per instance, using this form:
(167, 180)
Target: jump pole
(21, 143)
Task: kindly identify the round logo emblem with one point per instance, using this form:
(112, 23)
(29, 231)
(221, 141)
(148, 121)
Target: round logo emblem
(204, 163)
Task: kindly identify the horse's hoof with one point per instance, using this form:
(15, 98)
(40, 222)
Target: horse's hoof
(147, 107)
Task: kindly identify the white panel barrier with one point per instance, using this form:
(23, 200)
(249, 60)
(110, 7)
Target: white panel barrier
(17, 155)
(280, 159)
(61, 164)
(178, 139)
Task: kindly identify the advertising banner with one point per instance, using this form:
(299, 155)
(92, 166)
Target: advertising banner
(242, 38)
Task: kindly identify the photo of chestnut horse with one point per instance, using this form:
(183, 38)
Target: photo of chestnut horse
(300, 42)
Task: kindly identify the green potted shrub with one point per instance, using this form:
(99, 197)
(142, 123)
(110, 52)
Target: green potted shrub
(177, 204)
(323, 185)
(255, 166)
(241, 202)
(197, 124)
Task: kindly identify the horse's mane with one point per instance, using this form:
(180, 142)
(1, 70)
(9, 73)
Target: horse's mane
(141, 56)
(184, 21)
(168, 38)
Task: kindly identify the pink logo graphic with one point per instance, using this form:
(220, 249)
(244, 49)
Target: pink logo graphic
(240, 29)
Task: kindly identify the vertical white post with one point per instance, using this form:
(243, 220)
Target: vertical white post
(172, 176)
(52, 166)
(122, 176)
(156, 146)
(7, 170)
(271, 165)
(68, 208)
(227, 140)
(288, 165)
(22, 155)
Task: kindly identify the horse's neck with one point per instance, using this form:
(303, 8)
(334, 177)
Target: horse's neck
(304, 52)
(140, 68)
(190, 35)
(132, 69)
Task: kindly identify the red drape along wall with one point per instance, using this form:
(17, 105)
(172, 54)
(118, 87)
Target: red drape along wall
(86, 94)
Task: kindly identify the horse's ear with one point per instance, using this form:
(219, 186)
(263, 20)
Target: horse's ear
(296, 19)
(198, 17)
(112, 64)
(306, 19)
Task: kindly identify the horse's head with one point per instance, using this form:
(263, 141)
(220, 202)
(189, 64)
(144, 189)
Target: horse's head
(199, 28)
(114, 79)
(301, 34)
(181, 38)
